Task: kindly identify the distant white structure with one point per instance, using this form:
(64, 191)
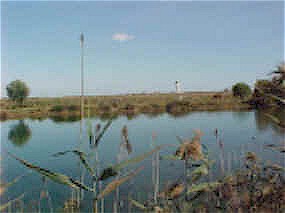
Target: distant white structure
(177, 86)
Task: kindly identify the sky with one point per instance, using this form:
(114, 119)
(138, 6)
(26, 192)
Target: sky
(133, 47)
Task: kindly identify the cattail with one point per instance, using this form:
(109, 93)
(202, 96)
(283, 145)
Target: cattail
(125, 131)
(125, 134)
(191, 148)
(98, 127)
(198, 134)
(216, 132)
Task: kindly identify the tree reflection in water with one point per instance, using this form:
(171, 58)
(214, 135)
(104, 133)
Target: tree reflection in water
(20, 133)
(263, 121)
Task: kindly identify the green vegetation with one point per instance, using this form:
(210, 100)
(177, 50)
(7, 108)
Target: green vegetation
(279, 75)
(17, 91)
(61, 108)
(129, 105)
(241, 90)
(270, 94)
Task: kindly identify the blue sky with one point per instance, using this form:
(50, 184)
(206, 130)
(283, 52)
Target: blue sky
(139, 46)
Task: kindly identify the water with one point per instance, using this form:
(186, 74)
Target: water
(36, 141)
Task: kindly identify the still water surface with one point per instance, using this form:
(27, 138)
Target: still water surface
(36, 141)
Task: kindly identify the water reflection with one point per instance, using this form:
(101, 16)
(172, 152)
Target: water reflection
(228, 156)
(178, 114)
(264, 121)
(45, 201)
(20, 133)
(65, 118)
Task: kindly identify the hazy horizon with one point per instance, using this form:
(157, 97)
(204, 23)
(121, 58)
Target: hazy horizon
(136, 47)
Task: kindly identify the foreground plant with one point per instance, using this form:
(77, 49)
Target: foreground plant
(98, 177)
(256, 188)
(3, 188)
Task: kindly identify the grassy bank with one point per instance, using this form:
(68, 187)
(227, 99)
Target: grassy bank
(129, 105)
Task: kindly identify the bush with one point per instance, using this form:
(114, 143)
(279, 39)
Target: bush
(241, 90)
(178, 107)
(57, 108)
(73, 108)
(105, 108)
(264, 84)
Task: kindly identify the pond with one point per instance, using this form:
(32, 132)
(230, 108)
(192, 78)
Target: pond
(37, 140)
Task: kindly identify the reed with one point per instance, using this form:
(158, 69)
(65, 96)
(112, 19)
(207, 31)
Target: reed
(256, 187)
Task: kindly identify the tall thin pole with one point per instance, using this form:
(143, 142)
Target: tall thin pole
(80, 192)
(82, 78)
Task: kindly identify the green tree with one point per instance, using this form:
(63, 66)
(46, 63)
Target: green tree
(17, 91)
(19, 134)
(241, 90)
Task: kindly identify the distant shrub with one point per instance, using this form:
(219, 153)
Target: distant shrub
(105, 107)
(72, 108)
(218, 96)
(57, 108)
(178, 106)
(12, 107)
(241, 90)
(156, 108)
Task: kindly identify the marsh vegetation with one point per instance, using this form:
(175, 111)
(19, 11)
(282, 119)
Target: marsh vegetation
(128, 105)
(117, 168)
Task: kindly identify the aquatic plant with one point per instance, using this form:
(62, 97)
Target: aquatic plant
(3, 188)
(106, 173)
(257, 187)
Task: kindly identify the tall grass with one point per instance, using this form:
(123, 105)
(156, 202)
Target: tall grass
(256, 187)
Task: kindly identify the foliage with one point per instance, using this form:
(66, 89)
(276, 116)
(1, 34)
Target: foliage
(6, 205)
(116, 183)
(107, 172)
(270, 93)
(82, 156)
(279, 78)
(56, 177)
(17, 91)
(241, 90)
(57, 108)
(3, 187)
(100, 135)
(257, 187)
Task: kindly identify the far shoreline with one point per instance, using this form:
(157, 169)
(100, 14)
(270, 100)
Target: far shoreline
(132, 104)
